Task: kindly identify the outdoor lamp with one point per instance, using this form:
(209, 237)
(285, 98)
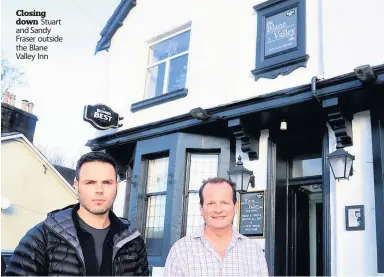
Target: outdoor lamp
(241, 176)
(283, 125)
(199, 113)
(341, 162)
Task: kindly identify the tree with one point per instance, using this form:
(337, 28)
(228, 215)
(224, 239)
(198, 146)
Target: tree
(10, 75)
(56, 156)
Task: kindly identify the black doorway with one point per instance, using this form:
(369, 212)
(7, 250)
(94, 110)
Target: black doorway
(298, 214)
(298, 184)
(305, 229)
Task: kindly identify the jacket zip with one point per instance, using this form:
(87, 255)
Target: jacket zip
(132, 237)
(116, 264)
(82, 262)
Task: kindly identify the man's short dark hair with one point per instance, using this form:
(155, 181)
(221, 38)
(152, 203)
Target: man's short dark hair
(217, 180)
(94, 157)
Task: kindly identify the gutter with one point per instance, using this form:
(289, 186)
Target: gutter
(320, 90)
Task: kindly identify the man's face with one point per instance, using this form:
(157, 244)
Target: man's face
(218, 209)
(96, 187)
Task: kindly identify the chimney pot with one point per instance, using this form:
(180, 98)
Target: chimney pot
(5, 97)
(24, 104)
(12, 99)
(30, 107)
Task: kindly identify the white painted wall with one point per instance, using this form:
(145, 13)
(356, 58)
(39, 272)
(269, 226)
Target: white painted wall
(118, 205)
(220, 59)
(313, 199)
(259, 168)
(355, 252)
(312, 238)
(333, 207)
(340, 36)
(351, 37)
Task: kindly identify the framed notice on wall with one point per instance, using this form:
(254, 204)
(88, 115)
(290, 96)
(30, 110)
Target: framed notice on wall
(252, 214)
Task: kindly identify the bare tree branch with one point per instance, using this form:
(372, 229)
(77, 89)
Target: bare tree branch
(56, 156)
(10, 75)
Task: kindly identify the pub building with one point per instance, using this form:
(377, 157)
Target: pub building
(271, 94)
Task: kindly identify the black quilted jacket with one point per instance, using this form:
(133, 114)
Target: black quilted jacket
(53, 248)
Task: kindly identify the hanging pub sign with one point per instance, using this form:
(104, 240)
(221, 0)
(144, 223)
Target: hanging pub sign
(281, 38)
(101, 117)
(252, 213)
(281, 32)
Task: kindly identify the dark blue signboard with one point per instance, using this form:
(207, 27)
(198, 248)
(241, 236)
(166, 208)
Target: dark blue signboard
(281, 32)
(281, 38)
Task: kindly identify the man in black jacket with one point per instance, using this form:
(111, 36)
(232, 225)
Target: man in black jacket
(86, 238)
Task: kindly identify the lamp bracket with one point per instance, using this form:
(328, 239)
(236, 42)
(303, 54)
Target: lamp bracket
(133, 180)
(339, 121)
(249, 140)
(252, 181)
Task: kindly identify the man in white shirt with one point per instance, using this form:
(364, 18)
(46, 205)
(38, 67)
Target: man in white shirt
(217, 249)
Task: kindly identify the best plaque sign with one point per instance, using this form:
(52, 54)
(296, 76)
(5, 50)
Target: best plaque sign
(101, 117)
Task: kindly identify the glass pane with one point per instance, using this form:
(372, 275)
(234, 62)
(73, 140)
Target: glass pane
(202, 167)
(306, 167)
(162, 200)
(155, 232)
(338, 166)
(157, 178)
(178, 73)
(151, 221)
(155, 217)
(155, 80)
(348, 166)
(194, 218)
(149, 232)
(169, 47)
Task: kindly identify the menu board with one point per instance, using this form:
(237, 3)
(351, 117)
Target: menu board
(252, 213)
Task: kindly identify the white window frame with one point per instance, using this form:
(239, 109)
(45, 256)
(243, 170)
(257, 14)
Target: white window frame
(166, 60)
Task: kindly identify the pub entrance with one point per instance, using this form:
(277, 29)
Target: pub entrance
(295, 212)
(305, 225)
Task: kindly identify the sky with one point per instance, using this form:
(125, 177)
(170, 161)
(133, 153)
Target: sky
(70, 78)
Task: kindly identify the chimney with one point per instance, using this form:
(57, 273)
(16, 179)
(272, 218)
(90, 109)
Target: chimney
(18, 120)
(24, 104)
(5, 97)
(12, 99)
(30, 107)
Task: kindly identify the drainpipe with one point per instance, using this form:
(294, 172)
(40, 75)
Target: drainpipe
(313, 87)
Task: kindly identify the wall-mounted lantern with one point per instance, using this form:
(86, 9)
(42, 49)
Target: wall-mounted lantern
(241, 176)
(341, 163)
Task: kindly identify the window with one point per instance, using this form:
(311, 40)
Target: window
(167, 65)
(156, 187)
(201, 167)
(305, 166)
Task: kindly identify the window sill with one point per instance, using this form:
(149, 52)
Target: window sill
(167, 97)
